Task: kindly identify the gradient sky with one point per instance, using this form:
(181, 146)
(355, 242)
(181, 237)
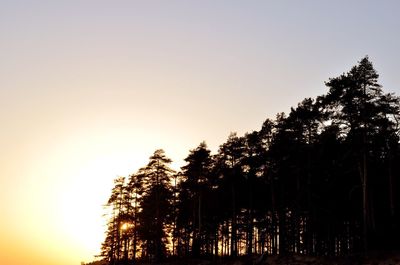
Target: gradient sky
(89, 89)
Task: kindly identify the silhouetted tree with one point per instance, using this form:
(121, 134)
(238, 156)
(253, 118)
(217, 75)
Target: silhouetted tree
(231, 178)
(361, 111)
(156, 205)
(112, 245)
(194, 186)
(321, 180)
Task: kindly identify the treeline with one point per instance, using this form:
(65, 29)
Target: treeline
(322, 180)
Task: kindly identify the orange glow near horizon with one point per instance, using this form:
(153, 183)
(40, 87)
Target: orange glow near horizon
(61, 193)
(89, 89)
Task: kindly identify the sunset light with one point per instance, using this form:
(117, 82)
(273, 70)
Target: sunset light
(95, 90)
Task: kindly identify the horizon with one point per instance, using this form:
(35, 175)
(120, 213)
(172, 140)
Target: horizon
(90, 89)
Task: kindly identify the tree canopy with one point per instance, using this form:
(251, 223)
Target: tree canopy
(321, 180)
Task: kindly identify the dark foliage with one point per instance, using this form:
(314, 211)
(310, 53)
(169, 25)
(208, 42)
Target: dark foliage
(322, 180)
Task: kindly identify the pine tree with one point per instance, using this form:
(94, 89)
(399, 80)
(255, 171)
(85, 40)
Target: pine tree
(156, 205)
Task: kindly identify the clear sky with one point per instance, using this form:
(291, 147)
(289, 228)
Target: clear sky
(90, 88)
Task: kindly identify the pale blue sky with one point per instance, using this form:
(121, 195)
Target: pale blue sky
(89, 89)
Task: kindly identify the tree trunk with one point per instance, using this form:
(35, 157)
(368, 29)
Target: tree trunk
(233, 225)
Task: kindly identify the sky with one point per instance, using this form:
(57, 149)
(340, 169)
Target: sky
(89, 89)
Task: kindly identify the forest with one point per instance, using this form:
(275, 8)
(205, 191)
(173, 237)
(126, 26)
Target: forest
(322, 180)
